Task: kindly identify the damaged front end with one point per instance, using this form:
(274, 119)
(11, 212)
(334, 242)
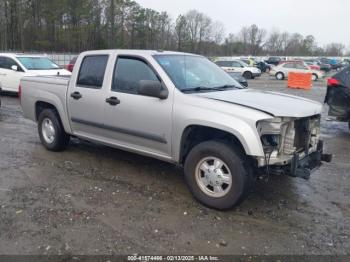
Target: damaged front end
(292, 146)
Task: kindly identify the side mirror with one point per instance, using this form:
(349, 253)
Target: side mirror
(152, 89)
(14, 68)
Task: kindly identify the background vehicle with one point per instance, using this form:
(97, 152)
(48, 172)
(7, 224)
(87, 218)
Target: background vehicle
(323, 66)
(182, 109)
(338, 95)
(273, 60)
(14, 66)
(283, 69)
(248, 72)
(239, 78)
(71, 64)
(313, 66)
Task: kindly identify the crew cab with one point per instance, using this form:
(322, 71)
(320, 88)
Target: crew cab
(180, 108)
(15, 66)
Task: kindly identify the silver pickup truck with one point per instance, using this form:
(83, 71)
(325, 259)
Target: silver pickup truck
(183, 109)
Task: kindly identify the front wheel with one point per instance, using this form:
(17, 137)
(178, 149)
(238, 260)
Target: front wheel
(314, 77)
(217, 175)
(51, 131)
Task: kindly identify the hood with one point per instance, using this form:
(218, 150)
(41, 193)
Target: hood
(53, 72)
(275, 104)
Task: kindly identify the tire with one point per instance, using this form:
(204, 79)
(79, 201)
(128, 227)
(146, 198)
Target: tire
(279, 76)
(235, 169)
(314, 77)
(248, 75)
(51, 131)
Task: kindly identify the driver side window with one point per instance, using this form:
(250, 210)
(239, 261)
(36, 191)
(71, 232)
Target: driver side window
(129, 72)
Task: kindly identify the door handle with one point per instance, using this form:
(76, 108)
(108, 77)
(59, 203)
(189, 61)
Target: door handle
(113, 101)
(76, 95)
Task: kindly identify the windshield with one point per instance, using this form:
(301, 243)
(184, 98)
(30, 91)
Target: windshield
(37, 63)
(195, 73)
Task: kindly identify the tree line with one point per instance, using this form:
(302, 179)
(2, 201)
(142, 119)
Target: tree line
(75, 26)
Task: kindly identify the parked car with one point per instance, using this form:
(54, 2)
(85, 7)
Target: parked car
(282, 70)
(144, 102)
(313, 66)
(323, 66)
(71, 64)
(338, 95)
(15, 66)
(239, 78)
(273, 60)
(248, 72)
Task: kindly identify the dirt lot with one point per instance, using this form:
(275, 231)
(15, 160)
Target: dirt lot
(92, 199)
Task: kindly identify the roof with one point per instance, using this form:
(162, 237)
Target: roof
(137, 52)
(22, 55)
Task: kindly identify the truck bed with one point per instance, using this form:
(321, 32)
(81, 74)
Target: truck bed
(49, 89)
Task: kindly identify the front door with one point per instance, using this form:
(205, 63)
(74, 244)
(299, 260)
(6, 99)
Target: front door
(135, 121)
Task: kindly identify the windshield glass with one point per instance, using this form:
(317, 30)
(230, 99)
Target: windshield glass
(37, 63)
(195, 73)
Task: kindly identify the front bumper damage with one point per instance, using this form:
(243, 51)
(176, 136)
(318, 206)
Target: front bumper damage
(303, 167)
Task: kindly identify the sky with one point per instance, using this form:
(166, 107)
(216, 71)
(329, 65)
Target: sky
(326, 20)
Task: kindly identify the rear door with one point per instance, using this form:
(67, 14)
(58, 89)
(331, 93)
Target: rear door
(86, 95)
(138, 122)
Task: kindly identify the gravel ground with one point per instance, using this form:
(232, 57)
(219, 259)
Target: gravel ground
(93, 200)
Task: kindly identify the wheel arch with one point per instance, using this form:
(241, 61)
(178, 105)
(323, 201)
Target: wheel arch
(43, 104)
(194, 134)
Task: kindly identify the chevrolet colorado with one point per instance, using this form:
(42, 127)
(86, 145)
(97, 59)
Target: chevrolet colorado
(183, 109)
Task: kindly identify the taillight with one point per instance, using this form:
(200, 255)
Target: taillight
(332, 82)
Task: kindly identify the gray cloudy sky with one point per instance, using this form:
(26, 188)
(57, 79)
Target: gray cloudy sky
(326, 20)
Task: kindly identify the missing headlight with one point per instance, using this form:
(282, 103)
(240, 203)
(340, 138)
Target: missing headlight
(270, 140)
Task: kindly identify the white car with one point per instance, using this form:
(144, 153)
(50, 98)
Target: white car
(282, 71)
(14, 66)
(249, 72)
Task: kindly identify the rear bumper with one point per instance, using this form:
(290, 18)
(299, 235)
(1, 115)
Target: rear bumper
(256, 74)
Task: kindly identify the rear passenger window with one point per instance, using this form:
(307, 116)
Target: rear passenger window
(92, 71)
(129, 72)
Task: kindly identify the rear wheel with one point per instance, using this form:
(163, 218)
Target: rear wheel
(51, 131)
(217, 176)
(279, 76)
(314, 77)
(248, 75)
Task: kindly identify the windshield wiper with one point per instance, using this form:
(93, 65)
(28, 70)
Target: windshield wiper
(203, 88)
(226, 87)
